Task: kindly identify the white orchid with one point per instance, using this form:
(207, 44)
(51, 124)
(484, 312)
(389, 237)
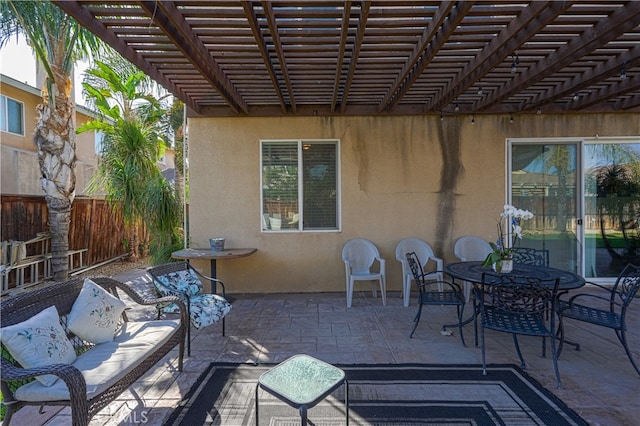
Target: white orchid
(517, 231)
(510, 211)
(514, 216)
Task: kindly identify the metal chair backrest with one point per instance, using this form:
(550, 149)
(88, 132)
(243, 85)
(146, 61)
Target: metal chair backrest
(414, 265)
(531, 256)
(519, 294)
(626, 287)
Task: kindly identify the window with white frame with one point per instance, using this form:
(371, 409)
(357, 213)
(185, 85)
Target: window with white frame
(300, 185)
(11, 115)
(99, 141)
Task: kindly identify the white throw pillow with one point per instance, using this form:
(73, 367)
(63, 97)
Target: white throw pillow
(95, 314)
(39, 341)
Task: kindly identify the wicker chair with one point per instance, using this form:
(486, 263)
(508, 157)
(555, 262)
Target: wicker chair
(62, 295)
(618, 298)
(430, 285)
(518, 305)
(182, 280)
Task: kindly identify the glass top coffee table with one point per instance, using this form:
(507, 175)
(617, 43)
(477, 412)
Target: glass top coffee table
(302, 381)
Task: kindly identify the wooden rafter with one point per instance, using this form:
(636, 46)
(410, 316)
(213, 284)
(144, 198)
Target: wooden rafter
(627, 104)
(277, 45)
(378, 57)
(528, 23)
(262, 45)
(610, 92)
(624, 19)
(168, 18)
(362, 24)
(344, 32)
(443, 24)
(609, 69)
(98, 28)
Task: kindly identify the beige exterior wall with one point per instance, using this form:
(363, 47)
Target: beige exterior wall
(18, 156)
(412, 176)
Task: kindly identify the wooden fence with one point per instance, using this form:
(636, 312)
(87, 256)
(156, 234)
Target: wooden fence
(94, 225)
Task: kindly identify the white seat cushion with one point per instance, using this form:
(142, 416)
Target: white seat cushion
(106, 363)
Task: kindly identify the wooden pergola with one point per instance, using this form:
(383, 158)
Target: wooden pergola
(275, 58)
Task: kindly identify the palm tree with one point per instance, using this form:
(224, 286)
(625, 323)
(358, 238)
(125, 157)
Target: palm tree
(58, 42)
(619, 208)
(127, 170)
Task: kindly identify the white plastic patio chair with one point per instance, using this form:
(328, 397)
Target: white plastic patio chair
(359, 256)
(424, 253)
(469, 248)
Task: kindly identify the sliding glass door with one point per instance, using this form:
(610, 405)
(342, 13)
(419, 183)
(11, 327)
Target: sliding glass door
(585, 196)
(612, 207)
(545, 181)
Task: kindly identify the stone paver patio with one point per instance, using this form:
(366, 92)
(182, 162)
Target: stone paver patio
(599, 382)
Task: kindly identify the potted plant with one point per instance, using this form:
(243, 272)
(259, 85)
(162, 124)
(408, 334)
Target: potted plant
(501, 259)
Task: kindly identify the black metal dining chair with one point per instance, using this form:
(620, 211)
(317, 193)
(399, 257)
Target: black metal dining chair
(530, 256)
(518, 305)
(435, 291)
(612, 311)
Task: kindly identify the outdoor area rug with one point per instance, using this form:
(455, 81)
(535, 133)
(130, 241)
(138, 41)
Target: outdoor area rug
(389, 394)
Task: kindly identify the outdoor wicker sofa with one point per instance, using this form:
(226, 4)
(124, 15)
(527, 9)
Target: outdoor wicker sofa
(100, 371)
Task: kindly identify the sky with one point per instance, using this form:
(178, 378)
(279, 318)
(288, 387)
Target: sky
(18, 62)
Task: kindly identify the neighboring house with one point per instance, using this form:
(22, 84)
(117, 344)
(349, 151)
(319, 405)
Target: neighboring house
(20, 169)
(167, 165)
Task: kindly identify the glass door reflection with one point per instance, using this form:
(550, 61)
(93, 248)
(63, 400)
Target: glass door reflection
(544, 180)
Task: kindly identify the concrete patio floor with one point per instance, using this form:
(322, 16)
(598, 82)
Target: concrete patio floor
(599, 382)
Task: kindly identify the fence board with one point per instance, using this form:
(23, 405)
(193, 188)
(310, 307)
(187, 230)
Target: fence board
(94, 225)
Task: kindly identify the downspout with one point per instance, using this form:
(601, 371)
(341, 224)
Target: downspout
(185, 172)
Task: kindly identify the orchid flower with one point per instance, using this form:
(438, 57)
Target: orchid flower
(513, 216)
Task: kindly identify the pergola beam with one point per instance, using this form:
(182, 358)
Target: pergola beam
(362, 24)
(439, 29)
(625, 19)
(167, 16)
(344, 33)
(534, 18)
(262, 45)
(82, 15)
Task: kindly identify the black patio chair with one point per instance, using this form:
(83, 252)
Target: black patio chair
(435, 291)
(518, 305)
(618, 298)
(182, 280)
(531, 256)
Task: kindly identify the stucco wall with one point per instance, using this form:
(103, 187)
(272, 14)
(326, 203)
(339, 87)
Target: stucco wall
(412, 176)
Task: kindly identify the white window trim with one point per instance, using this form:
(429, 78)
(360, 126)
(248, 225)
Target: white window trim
(300, 143)
(6, 111)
